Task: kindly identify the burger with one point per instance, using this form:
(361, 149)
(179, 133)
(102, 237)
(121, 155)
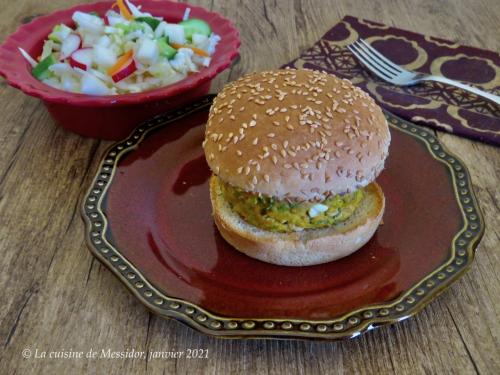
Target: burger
(294, 155)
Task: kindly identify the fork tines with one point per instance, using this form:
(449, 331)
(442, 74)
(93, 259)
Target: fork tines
(374, 61)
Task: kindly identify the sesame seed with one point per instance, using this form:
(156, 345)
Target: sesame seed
(271, 135)
(239, 170)
(266, 178)
(247, 170)
(275, 159)
(239, 153)
(254, 180)
(255, 141)
(253, 123)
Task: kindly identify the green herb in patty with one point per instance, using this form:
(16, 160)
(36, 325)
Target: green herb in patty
(283, 216)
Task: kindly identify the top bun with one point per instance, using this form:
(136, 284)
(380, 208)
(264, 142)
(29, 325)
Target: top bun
(296, 134)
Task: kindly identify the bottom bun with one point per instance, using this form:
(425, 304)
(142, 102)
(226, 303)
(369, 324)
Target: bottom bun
(304, 248)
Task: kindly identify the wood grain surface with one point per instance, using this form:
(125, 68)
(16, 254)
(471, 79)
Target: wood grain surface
(56, 296)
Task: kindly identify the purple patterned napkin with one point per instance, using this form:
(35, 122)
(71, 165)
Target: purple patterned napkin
(431, 104)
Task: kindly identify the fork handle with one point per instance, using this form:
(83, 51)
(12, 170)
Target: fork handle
(484, 94)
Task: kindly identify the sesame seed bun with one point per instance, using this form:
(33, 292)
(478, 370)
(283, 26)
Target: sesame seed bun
(304, 248)
(296, 134)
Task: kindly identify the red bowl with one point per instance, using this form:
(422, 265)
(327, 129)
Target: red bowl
(113, 117)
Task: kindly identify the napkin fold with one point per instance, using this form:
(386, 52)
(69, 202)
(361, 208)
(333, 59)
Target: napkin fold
(432, 104)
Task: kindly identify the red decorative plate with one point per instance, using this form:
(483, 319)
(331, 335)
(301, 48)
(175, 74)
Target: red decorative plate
(148, 218)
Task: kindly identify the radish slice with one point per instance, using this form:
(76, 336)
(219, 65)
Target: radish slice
(81, 58)
(70, 45)
(127, 70)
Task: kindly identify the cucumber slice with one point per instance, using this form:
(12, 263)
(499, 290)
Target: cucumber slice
(153, 22)
(195, 26)
(41, 70)
(165, 49)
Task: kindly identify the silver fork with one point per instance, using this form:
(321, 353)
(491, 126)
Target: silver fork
(388, 71)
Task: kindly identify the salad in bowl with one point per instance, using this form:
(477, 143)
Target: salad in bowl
(126, 50)
(103, 68)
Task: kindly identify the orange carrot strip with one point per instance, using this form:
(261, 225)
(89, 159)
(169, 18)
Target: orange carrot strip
(125, 12)
(120, 63)
(194, 49)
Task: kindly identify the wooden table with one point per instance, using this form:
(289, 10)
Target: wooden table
(56, 296)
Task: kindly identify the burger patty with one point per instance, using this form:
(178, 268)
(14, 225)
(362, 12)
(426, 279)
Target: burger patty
(283, 216)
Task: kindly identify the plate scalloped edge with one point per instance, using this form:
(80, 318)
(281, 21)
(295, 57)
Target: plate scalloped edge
(349, 325)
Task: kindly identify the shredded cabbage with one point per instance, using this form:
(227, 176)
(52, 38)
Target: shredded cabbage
(123, 53)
